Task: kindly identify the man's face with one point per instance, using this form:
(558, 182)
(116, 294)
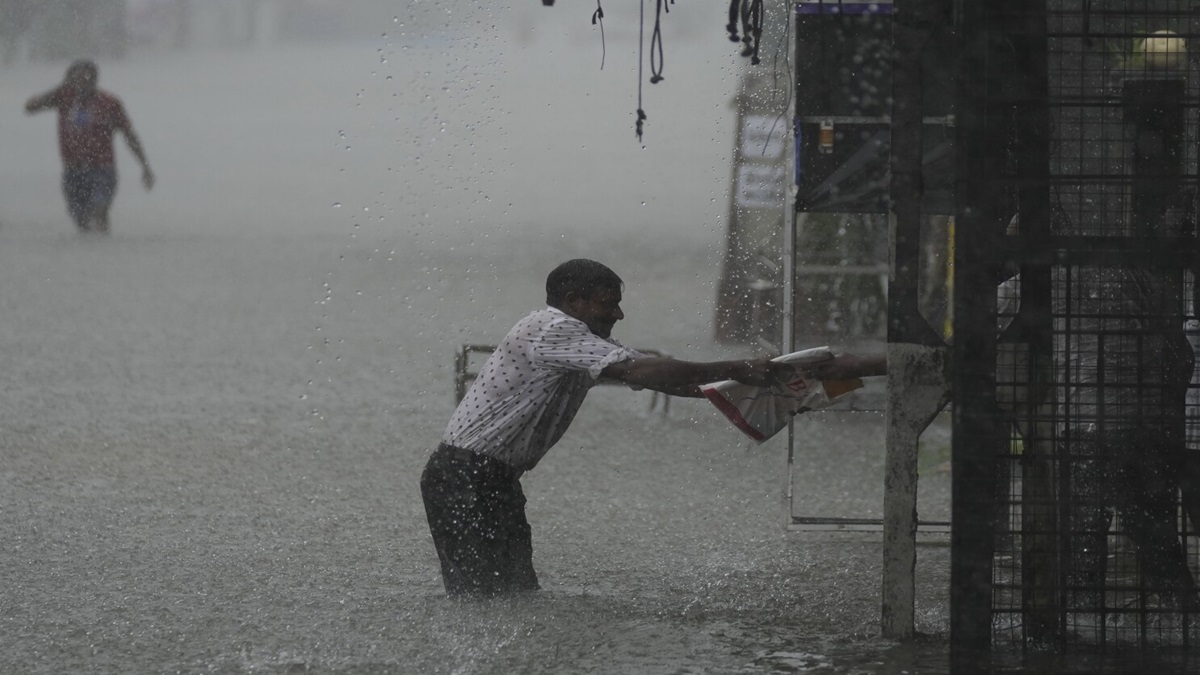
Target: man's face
(82, 81)
(599, 311)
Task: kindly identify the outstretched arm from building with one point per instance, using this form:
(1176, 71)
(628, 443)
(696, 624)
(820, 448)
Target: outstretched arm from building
(847, 367)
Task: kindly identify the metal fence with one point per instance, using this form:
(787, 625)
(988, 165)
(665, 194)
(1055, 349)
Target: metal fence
(1074, 308)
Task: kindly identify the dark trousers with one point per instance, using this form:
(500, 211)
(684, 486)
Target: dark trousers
(476, 512)
(89, 192)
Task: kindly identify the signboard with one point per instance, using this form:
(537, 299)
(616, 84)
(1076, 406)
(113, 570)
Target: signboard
(761, 180)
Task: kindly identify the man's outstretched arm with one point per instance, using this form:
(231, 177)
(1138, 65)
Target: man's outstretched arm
(847, 367)
(683, 378)
(41, 102)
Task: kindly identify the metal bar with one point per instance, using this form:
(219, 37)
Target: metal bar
(790, 236)
(943, 120)
(827, 524)
(843, 269)
(980, 158)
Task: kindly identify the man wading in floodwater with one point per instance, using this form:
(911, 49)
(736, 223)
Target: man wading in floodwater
(87, 120)
(522, 402)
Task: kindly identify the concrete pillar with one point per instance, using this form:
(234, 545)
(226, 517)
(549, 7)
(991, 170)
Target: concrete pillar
(917, 390)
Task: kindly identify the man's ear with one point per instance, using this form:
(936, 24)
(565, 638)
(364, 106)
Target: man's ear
(572, 302)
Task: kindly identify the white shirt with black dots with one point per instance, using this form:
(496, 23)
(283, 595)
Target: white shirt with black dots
(530, 388)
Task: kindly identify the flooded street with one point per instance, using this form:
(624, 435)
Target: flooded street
(195, 480)
(213, 421)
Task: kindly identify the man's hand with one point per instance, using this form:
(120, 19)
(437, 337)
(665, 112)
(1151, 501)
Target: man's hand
(765, 373)
(846, 367)
(147, 178)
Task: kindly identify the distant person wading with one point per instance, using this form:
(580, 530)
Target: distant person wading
(87, 120)
(523, 401)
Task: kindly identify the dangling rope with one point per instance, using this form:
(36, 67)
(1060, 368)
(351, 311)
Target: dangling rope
(787, 50)
(752, 40)
(656, 44)
(641, 114)
(598, 17)
(732, 26)
(750, 14)
(656, 54)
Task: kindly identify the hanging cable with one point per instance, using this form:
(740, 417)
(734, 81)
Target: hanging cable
(656, 50)
(656, 43)
(787, 62)
(747, 30)
(598, 17)
(641, 114)
(756, 28)
(749, 14)
(732, 26)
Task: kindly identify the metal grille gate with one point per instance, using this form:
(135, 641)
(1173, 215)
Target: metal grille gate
(1077, 471)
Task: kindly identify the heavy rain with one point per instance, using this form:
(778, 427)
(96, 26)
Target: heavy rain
(216, 409)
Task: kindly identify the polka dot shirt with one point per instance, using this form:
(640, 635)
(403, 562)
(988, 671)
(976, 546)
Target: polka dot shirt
(530, 388)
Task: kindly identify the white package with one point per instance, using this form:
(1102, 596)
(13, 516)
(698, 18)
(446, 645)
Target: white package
(760, 412)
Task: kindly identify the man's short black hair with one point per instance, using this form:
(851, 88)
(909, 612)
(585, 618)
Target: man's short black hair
(582, 276)
(86, 66)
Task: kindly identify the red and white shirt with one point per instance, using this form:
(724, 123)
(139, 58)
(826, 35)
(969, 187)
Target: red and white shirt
(86, 127)
(528, 391)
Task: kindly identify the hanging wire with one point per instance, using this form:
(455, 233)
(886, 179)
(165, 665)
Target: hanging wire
(747, 30)
(786, 47)
(598, 17)
(732, 26)
(756, 27)
(749, 13)
(656, 54)
(656, 43)
(641, 114)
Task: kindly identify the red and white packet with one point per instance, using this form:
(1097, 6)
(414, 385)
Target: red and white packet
(761, 412)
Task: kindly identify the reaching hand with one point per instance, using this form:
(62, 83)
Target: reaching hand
(148, 178)
(846, 367)
(766, 373)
